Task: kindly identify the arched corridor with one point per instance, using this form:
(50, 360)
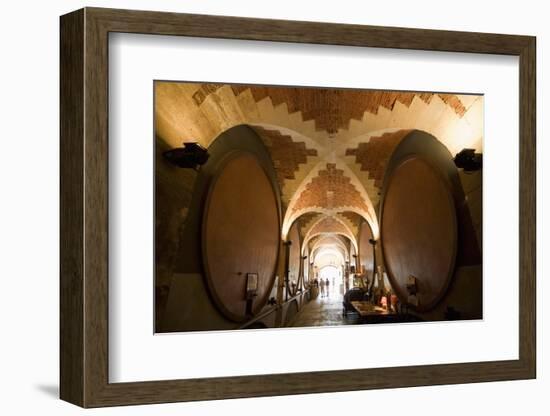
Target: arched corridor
(334, 282)
(294, 206)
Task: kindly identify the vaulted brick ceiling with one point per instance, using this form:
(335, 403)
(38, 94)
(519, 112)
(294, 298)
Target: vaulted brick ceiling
(330, 189)
(306, 221)
(373, 156)
(332, 108)
(314, 222)
(287, 155)
(323, 161)
(333, 240)
(353, 219)
(329, 225)
(328, 239)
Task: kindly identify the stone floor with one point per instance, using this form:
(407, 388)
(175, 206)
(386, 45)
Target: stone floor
(323, 311)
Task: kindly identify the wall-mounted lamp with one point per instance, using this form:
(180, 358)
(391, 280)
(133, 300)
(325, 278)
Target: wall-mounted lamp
(192, 155)
(468, 160)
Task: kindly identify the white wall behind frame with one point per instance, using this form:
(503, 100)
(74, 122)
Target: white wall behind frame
(137, 60)
(29, 212)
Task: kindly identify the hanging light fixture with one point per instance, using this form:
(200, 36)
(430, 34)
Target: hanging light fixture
(192, 155)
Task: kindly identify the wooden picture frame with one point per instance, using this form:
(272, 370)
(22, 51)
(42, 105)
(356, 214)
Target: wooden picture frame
(84, 207)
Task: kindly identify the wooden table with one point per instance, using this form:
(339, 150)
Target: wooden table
(365, 308)
(372, 314)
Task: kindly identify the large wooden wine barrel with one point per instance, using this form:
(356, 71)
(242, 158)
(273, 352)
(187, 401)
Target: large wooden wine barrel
(418, 230)
(240, 234)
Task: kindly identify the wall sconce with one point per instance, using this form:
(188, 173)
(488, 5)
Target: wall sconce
(468, 160)
(192, 155)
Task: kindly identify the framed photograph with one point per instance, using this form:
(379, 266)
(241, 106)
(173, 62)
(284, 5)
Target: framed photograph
(231, 181)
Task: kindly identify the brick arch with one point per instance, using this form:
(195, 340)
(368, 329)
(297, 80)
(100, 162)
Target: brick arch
(320, 117)
(327, 225)
(330, 187)
(368, 154)
(318, 212)
(335, 235)
(330, 240)
(332, 108)
(329, 249)
(373, 155)
(306, 221)
(203, 110)
(352, 220)
(287, 154)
